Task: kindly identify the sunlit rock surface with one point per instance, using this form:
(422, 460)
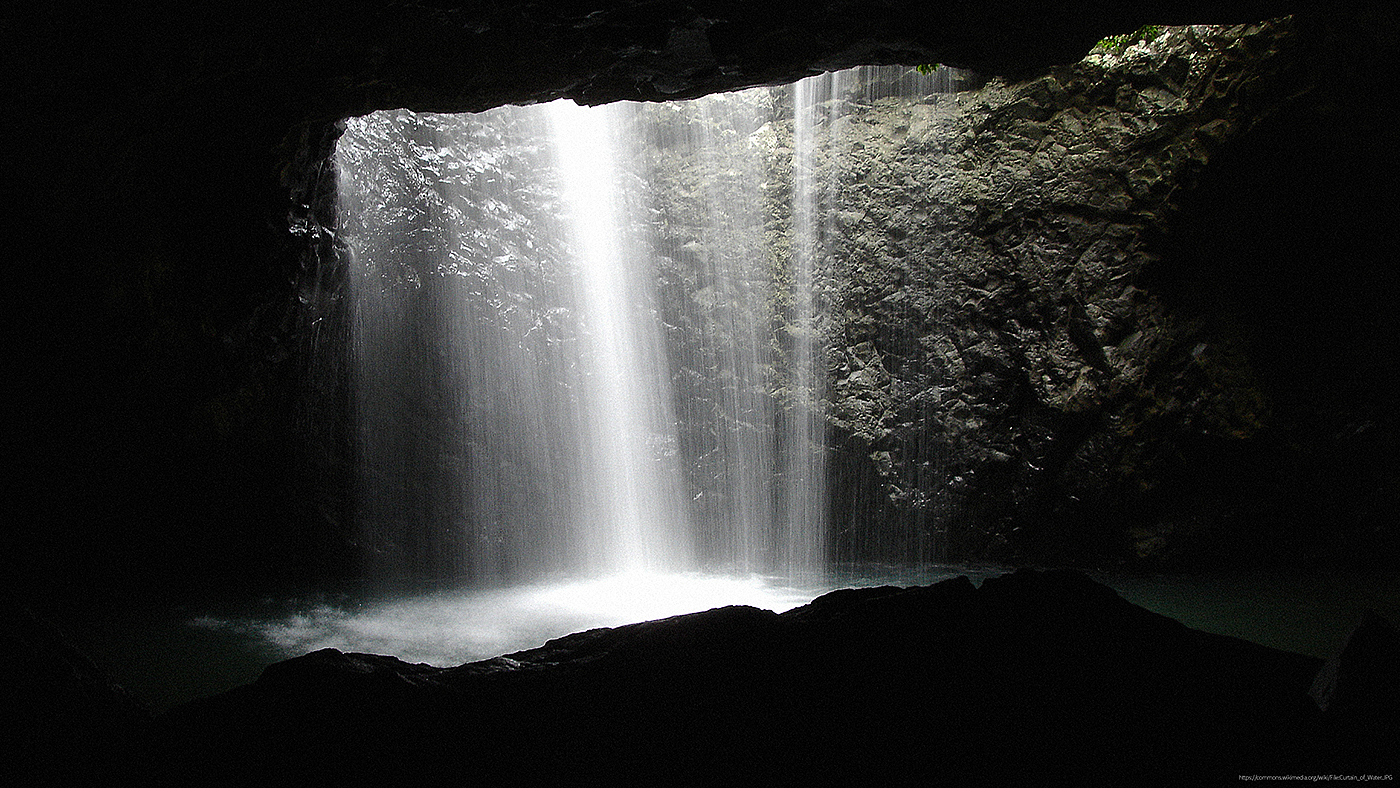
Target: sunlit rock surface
(1003, 354)
(1045, 673)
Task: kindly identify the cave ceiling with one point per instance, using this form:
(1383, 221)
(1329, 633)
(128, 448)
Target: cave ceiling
(468, 56)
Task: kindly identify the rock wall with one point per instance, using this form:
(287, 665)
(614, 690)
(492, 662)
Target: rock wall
(1011, 354)
(1016, 372)
(998, 354)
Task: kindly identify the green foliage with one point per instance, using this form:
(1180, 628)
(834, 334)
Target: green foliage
(928, 68)
(1117, 45)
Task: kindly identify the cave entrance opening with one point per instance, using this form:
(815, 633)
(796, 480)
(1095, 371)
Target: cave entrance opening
(589, 354)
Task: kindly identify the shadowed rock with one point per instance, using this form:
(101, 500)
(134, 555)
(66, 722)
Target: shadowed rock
(1359, 691)
(64, 719)
(1043, 673)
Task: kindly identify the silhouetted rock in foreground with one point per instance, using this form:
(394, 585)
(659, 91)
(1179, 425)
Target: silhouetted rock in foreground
(1359, 691)
(63, 719)
(1043, 674)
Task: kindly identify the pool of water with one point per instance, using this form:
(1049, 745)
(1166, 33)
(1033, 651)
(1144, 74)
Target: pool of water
(1307, 613)
(178, 651)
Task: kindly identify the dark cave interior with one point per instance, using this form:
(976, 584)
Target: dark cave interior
(168, 169)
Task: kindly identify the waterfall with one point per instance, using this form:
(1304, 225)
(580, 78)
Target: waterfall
(638, 521)
(805, 429)
(591, 341)
(708, 178)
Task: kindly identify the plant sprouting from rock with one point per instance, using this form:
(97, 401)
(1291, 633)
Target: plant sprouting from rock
(1118, 44)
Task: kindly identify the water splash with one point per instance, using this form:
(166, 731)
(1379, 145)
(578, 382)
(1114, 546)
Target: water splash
(452, 627)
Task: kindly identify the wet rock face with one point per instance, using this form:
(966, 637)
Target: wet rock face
(999, 363)
(995, 346)
(1011, 354)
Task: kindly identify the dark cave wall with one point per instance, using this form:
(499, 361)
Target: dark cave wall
(159, 328)
(1282, 252)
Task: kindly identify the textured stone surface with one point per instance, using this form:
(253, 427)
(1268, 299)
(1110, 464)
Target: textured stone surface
(999, 352)
(1014, 371)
